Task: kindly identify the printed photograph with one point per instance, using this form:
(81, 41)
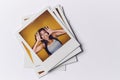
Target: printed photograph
(44, 35)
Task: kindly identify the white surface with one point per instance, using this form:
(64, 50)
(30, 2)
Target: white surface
(97, 22)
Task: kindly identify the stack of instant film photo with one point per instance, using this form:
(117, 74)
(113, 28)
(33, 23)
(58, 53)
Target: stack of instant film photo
(48, 40)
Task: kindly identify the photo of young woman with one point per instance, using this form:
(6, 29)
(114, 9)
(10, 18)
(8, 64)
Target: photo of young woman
(47, 39)
(44, 36)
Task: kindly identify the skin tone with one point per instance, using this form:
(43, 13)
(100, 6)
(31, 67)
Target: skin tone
(45, 36)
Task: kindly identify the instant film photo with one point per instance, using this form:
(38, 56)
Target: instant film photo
(47, 38)
(29, 61)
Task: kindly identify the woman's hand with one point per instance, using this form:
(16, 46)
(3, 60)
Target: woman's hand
(50, 31)
(37, 36)
(54, 33)
(37, 46)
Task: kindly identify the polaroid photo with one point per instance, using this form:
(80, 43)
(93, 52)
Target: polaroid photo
(68, 62)
(28, 61)
(28, 58)
(38, 34)
(74, 59)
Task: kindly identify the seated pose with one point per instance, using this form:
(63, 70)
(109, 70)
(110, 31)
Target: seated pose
(46, 38)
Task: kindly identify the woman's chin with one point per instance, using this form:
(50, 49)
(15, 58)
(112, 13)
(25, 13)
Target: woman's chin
(46, 39)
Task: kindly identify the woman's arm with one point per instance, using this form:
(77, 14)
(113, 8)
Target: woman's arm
(58, 32)
(55, 33)
(37, 46)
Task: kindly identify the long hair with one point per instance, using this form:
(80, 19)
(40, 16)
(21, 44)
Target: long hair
(45, 41)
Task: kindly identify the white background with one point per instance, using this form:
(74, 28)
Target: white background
(96, 22)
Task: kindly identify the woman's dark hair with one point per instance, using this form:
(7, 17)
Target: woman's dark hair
(45, 41)
(42, 29)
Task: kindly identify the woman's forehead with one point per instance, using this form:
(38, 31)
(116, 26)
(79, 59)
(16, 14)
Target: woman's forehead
(43, 31)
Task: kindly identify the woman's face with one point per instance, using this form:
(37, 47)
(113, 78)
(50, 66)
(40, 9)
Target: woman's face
(44, 35)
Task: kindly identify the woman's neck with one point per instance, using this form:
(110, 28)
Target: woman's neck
(50, 41)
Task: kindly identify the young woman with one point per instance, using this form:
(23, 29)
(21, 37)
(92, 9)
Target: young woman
(46, 38)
